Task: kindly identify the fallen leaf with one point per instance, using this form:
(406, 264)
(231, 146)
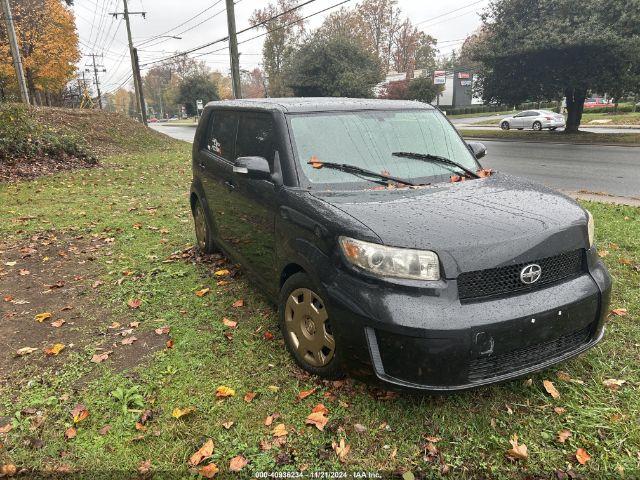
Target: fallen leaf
(237, 463)
(563, 376)
(560, 410)
(169, 343)
(128, 340)
(134, 324)
(181, 412)
(229, 323)
(6, 428)
(8, 470)
(341, 449)
(484, 172)
(305, 393)
(134, 303)
(318, 419)
(273, 388)
(41, 317)
(104, 430)
(25, 351)
(114, 325)
(209, 471)
(204, 452)
(238, 303)
(79, 413)
(626, 261)
(358, 427)
(268, 335)
(55, 350)
(100, 357)
(620, 312)
(58, 323)
(203, 292)
(23, 272)
(279, 430)
(144, 467)
(603, 253)
(269, 420)
(224, 391)
(7, 298)
(551, 389)
(97, 283)
(70, 433)
(320, 408)
(517, 451)
(249, 396)
(140, 427)
(563, 435)
(582, 456)
(221, 273)
(228, 425)
(613, 384)
(164, 330)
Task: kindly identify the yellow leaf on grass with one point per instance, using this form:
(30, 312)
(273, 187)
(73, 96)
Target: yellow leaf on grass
(517, 451)
(79, 413)
(229, 323)
(41, 317)
(55, 350)
(563, 435)
(280, 430)
(224, 391)
(318, 419)
(620, 312)
(582, 456)
(305, 393)
(181, 412)
(209, 471)
(203, 292)
(237, 463)
(221, 273)
(551, 389)
(341, 449)
(613, 383)
(249, 396)
(204, 452)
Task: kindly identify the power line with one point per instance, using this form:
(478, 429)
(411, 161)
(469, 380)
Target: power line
(450, 12)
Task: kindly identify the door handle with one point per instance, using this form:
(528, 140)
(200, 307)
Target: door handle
(230, 185)
(201, 165)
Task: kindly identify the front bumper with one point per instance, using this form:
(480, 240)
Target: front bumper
(427, 339)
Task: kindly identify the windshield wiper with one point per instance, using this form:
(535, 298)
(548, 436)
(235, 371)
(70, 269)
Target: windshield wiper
(428, 157)
(360, 172)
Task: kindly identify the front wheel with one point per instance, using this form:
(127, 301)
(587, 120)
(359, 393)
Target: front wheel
(306, 327)
(505, 126)
(537, 126)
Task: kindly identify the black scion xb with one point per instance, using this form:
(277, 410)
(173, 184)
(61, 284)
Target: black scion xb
(387, 247)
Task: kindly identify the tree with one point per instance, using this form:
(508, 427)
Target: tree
(412, 49)
(48, 44)
(284, 34)
(197, 87)
(379, 20)
(156, 84)
(421, 89)
(253, 83)
(333, 67)
(591, 45)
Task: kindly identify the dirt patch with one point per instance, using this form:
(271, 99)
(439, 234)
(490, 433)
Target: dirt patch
(26, 169)
(50, 295)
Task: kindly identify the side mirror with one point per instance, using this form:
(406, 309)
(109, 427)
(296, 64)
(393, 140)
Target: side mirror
(256, 168)
(478, 149)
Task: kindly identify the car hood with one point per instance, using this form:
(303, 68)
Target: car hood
(471, 225)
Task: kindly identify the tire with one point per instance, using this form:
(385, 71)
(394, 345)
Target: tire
(520, 128)
(307, 330)
(537, 126)
(204, 236)
(552, 129)
(505, 126)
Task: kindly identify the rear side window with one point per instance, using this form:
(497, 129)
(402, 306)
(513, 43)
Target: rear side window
(222, 134)
(256, 137)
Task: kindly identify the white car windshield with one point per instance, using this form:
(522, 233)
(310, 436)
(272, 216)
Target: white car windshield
(368, 139)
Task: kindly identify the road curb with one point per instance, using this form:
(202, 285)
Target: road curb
(604, 198)
(519, 140)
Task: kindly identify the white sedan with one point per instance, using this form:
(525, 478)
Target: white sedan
(534, 119)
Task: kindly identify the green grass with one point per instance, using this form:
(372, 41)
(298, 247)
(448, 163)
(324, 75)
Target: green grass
(474, 427)
(587, 118)
(558, 137)
(481, 114)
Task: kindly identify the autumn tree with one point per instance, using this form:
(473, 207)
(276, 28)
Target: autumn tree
(379, 21)
(591, 45)
(157, 83)
(332, 67)
(48, 44)
(284, 33)
(253, 83)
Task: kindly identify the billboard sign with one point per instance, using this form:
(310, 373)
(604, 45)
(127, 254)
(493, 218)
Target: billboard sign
(439, 77)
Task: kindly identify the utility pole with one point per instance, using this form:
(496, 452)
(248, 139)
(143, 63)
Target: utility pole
(233, 50)
(135, 66)
(95, 76)
(15, 51)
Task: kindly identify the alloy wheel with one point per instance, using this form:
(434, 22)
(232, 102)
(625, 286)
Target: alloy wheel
(537, 126)
(307, 326)
(504, 126)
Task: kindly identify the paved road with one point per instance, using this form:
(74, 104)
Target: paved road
(612, 170)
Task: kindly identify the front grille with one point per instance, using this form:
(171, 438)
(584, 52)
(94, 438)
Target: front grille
(506, 280)
(503, 364)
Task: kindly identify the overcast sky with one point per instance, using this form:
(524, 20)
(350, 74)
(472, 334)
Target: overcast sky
(449, 22)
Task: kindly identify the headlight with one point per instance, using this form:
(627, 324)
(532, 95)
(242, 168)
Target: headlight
(391, 262)
(590, 228)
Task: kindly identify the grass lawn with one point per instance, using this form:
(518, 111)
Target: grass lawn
(110, 233)
(559, 137)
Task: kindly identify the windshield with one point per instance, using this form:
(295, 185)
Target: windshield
(367, 139)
